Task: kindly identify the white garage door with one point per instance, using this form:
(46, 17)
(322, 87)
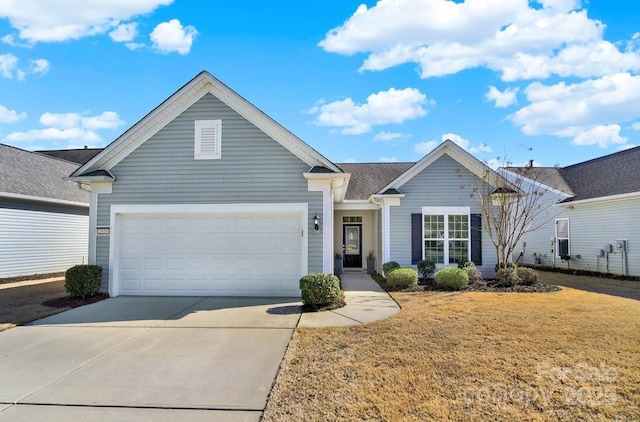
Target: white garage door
(226, 254)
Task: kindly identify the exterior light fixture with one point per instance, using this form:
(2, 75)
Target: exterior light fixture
(316, 222)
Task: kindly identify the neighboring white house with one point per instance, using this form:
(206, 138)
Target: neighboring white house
(44, 219)
(593, 223)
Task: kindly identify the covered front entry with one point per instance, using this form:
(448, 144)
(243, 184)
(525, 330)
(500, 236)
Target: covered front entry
(225, 251)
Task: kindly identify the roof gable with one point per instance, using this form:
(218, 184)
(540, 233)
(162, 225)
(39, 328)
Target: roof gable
(33, 176)
(451, 149)
(204, 83)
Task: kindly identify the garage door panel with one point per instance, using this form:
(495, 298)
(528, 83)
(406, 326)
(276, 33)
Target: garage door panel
(210, 254)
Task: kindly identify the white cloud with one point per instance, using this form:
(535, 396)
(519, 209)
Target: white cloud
(9, 67)
(424, 148)
(388, 159)
(601, 135)
(54, 134)
(635, 126)
(386, 107)
(172, 37)
(567, 109)
(627, 146)
(515, 38)
(427, 147)
(106, 120)
(349, 160)
(124, 32)
(39, 66)
(390, 136)
(71, 127)
(10, 116)
(502, 99)
(42, 21)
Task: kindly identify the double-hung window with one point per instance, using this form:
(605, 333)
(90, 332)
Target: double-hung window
(562, 237)
(447, 234)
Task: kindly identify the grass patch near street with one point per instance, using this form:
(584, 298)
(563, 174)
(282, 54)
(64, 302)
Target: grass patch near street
(567, 355)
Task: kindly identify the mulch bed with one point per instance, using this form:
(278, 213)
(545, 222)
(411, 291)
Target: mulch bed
(330, 307)
(484, 287)
(74, 302)
(30, 277)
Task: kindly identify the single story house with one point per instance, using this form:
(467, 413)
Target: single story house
(207, 195)
(44, 220)
(592, 222)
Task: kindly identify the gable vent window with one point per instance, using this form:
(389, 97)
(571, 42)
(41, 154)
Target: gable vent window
(208, 142)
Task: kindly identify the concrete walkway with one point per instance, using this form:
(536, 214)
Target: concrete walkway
(366, 302)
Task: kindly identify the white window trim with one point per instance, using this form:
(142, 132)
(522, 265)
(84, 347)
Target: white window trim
(558, 238)
(447, 211)
(202, 124)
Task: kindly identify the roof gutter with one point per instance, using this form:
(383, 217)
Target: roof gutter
(43, 199)
(611, 198)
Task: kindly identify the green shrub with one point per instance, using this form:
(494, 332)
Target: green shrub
(452, 278)
(387, 267)
(319, 289)
(426, 268)
(507, 277)
(401, 278)
(83, 280)
(472, 272)
(510, 266)
(527, 276)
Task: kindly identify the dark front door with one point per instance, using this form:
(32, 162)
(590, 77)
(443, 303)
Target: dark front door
(352, 245)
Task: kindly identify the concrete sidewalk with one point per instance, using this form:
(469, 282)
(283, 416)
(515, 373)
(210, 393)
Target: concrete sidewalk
(366, 302)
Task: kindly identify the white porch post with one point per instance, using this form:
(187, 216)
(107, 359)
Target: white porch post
(326, 223)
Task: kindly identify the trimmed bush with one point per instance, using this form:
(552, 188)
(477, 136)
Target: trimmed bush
(510, 266)
(83, 280)
(472, 272)
(507, 277)
(426, 268)
(401, 278)
(387, 267)
(319, 289)
(452, 278)
(527, 276)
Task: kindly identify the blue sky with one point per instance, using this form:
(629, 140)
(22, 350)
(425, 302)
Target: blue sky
(556, 81)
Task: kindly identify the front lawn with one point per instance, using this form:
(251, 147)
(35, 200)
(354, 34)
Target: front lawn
(566, 355)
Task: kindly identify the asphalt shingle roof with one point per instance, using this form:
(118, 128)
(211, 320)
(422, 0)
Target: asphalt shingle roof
(550, 176)
(32, 174)
(79, 156)
(369, 178)
(613, 174)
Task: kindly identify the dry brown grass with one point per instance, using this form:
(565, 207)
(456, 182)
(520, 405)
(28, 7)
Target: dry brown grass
(19, 305)
(567, 355)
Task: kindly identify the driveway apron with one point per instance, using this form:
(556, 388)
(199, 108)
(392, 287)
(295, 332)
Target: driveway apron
(155, 358)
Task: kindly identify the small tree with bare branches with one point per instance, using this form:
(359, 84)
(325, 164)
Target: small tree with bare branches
(514, 202)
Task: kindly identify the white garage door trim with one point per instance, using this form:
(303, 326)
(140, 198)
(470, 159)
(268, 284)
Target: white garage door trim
(117, 211)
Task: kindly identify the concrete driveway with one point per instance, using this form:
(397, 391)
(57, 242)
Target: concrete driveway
(147, 358)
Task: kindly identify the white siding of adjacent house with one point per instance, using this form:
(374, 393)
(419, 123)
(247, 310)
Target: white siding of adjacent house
(591, 227)
(34, 241)
(253, 169)
(444, 183)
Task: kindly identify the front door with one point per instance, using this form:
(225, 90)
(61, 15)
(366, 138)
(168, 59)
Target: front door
(352, 245)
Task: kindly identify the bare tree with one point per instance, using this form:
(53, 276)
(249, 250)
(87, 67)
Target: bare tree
(514, 201)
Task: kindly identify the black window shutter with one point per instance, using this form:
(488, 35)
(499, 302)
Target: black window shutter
(476, 238)
(416, 238)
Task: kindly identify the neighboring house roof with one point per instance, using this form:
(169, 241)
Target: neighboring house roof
(204, 83)
(369, 178)
(613, 174)
(80, 156)
(33, 176)
(550, 176)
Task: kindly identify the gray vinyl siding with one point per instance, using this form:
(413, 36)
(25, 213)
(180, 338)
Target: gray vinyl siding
(591, 227)
(41, 238)
(253, 169)
(444, 183)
